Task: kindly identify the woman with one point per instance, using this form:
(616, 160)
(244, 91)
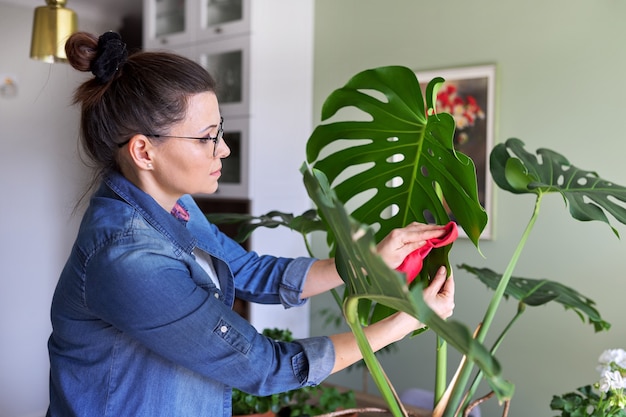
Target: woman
(142, 318)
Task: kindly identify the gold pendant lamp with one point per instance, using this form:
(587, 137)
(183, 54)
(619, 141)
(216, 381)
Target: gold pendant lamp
(52, 25)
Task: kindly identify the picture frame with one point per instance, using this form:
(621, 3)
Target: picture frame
(468, 93)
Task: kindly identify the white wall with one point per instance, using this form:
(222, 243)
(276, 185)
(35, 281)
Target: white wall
(281, 91)
(40, 177)
(560, 75)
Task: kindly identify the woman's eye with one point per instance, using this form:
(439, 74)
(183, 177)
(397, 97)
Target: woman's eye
(204, 140)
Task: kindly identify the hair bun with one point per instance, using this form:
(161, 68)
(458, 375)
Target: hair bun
(111, 55)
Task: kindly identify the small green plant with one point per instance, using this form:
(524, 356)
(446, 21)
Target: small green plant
(245, 404)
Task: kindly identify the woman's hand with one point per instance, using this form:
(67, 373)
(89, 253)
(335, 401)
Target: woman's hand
(399, 243)
(439, 295)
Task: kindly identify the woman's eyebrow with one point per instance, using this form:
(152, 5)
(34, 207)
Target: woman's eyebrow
(209, 128)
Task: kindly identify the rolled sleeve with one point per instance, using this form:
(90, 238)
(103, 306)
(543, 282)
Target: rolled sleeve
(293, 280)
(317, 362)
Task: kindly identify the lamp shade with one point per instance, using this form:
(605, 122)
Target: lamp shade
(52, 26)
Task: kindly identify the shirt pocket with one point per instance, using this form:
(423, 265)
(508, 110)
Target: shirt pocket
(228, 333)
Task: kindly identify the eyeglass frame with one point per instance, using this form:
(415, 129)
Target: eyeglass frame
(216, 139)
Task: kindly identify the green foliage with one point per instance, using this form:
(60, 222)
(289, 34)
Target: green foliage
(304, 224)
(245, 404)
(589, 197)
(536, 292)
(585, 403)
(320, 399)
(397, 141)
(357, 262)
(399, 158)
(405, 157)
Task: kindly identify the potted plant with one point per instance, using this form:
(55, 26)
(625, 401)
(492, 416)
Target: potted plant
(404, 152)
(604, 398)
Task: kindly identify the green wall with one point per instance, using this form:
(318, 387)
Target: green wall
(560, 85)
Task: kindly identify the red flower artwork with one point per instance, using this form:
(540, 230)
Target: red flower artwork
(464, 110)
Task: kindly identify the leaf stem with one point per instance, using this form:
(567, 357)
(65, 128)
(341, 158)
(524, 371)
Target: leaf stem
(470, 393)
(351, 308)
(441, 369)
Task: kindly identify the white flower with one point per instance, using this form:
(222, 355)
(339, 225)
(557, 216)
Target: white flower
(611, 380)
(613, 355)
(611, 359)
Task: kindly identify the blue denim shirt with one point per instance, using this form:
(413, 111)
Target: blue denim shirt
(140, 329)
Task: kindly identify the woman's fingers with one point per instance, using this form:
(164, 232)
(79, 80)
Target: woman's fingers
(439, 295)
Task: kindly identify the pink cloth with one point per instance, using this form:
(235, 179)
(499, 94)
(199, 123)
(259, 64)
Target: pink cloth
(413, 263)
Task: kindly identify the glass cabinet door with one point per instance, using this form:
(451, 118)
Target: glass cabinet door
(227, 62)
(170, 17)
(219, 12)
(219, 18)
(167, 22)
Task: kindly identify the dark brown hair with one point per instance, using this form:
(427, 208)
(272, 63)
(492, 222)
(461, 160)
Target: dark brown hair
(145, 92)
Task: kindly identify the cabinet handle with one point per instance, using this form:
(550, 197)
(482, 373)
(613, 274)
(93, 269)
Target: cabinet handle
(163, 41)
(218, 30)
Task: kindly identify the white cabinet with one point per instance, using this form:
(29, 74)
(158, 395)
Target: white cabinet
(261, 54)
(228, 61)
(170, 23)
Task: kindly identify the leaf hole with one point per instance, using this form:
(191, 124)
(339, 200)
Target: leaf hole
(616, 201)
(429, 217)
(395, 158)
(341, 144)
(395, 182)
(393, 139)
(359, 199)
(351, 171)
(375, 94)
(351, 113)
(424, 171)
(390, 212)
(375, 227)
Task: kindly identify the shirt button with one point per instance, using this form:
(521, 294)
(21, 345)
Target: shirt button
(216, 295)
(223, 329)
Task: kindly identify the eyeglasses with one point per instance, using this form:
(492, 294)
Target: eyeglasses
(216, 139)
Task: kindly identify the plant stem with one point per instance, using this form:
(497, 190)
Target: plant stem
(461, 383)
(351, 307)
(470, 393)
(506, 277)
(441, 369)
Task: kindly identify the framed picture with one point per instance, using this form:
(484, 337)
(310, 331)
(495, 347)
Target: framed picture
(468, 95)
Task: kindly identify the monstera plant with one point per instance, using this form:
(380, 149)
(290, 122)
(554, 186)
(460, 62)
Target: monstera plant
(398, 165)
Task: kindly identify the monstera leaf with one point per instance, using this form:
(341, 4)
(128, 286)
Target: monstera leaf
(368, 277)
(586, 194)
(304, 224)
(403, 155)
(536, 292)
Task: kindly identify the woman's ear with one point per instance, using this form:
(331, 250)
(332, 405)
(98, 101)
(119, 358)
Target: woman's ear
(141, 152)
